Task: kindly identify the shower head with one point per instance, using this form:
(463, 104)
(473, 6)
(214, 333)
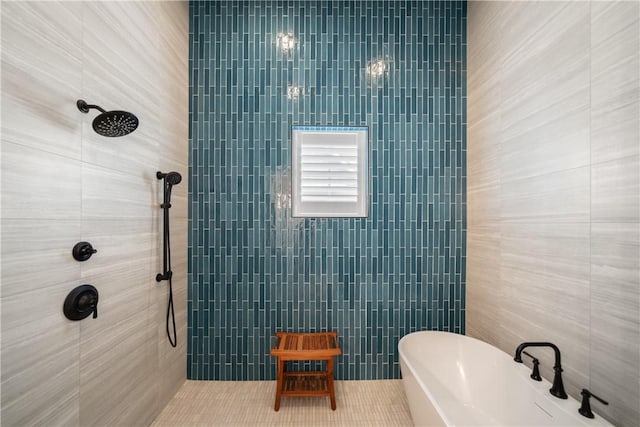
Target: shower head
(110, 123)
(172, 178)
(115, 123)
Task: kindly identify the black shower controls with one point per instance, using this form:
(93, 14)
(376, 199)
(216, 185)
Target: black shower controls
(82, 251)
(81, 302)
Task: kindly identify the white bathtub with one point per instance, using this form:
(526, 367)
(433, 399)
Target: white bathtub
(455, 380)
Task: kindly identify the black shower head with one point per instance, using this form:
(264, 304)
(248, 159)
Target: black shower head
(172, 178)
(110, 123)
(115, 123)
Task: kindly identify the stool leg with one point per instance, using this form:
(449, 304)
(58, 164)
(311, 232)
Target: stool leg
(332, 393)
(279, 383)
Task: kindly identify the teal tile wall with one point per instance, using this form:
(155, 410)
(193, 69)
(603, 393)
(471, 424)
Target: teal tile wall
(253, 270)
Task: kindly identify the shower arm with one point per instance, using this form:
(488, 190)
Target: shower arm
(84, 107)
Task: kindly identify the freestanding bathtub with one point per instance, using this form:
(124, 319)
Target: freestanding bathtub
(455, 380)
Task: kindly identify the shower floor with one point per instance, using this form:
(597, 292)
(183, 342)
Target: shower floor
(246, 403)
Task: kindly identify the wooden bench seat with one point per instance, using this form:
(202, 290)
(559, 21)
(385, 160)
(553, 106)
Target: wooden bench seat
(305, 346)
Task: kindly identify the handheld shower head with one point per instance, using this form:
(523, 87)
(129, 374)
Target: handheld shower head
(172, 178)
(110, 123)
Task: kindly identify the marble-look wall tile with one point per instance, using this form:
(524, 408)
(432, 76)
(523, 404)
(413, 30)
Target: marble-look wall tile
(531, 96)
(128, 157)
(41, 76)
(174, 38)
(610, 18)
(62, 183)
(119, 359)
(110, 194)
(486, 204)
(615, 190)
(119, 241)
(40, 366)
(615, 206)
(561, 196)
(171, 364)
(38, 184)
(532, 19)
(51, 241)
(615, 131)
(113, 78)
(544, 269)
(483, 159)
(615, 354)
(115, 36)
(565, 135)
(615, 93)
(483, 266)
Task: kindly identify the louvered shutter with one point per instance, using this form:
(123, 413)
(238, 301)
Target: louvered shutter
(329, 171)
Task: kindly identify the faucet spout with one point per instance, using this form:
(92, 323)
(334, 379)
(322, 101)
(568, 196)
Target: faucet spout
(557, 388)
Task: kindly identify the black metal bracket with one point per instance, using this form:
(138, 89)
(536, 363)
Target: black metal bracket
(84, 107)
(166, 276)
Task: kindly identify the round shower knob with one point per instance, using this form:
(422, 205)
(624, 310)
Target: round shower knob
(81, 302)
(82, 251)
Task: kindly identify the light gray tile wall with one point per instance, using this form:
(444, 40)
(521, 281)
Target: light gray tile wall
(615, 206)
(554, 189)
(62, 183)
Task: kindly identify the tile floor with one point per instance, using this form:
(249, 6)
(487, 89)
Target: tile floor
(250, 403)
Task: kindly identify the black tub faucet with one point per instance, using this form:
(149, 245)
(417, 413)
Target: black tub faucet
(535, 373)
(557, 389)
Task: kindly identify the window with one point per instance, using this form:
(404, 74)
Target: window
(329, 171)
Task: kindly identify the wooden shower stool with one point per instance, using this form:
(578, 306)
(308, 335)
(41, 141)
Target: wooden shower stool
(305, 346)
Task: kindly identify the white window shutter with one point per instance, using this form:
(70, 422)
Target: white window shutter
(329, 171)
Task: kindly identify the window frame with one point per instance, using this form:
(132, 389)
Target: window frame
(362, 134)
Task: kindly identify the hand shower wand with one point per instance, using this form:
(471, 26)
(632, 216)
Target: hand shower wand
(168, 181)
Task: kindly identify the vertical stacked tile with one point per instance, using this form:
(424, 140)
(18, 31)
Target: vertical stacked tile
(255, 270)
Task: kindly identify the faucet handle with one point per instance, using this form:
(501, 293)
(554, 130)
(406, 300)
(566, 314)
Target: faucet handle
(535, 374)
(585, 407)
